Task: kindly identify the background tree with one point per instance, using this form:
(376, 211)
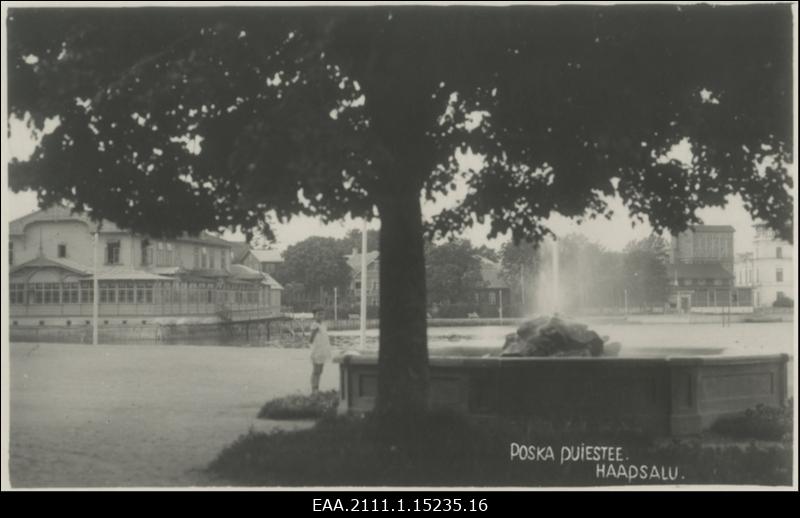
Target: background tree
(317, 263)
(520, 264)
(645, 272)
(452, 271)
(176, 120)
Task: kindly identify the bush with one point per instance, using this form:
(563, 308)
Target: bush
(762, 422)
(446, 449)
(300, 406)
(783, 302)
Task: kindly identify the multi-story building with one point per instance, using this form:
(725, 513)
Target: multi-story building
(767, 270)
(54, 258)
(701, 272)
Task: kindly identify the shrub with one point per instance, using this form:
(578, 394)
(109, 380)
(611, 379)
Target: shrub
(300, 406)
(762, 422)
(783, 302)
(447, 449)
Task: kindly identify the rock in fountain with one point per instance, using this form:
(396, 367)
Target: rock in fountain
(556, 336)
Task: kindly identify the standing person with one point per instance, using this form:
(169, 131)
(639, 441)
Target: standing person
(320, 348)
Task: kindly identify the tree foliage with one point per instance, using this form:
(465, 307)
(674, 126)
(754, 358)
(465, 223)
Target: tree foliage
(645, 271)
(346, 106)
(453, 272)
(316, 262)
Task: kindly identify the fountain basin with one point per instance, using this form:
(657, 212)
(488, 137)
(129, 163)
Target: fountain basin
(672, 395)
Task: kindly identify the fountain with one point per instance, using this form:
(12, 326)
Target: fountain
(666, 395)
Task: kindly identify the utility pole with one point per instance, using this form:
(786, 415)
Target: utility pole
(335, 304)
(364, 285)
(500, 292)
(95, 287)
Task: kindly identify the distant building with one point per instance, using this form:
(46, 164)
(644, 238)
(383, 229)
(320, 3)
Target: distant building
(51, 255)
(768, 269)
(701, 272)
(495, 291)
(373, 276)
(268, 260)
(265, 261)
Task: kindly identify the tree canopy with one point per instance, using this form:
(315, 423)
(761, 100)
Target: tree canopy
(174, 120)
(231, 112)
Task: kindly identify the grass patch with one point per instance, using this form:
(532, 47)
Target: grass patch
(763, 423)
(445, 449)
(301, 406)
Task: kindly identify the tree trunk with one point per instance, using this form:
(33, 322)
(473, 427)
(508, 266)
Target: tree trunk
(403, 355)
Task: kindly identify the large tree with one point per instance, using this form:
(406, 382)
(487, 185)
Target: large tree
(177, 120)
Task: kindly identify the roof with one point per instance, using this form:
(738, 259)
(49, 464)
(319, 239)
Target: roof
(268, 256)
(105, 273)
(271, 282)
(713, 228)
(698, 271)
(47, 262)
(240, 271)
(240, 250)
(354, 260)
(127, 274)
(491, 274)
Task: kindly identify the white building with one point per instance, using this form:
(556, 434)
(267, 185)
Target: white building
(768, 269)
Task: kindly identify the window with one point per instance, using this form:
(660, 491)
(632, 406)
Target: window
(108, 293)
(204, 257)
(779, 252)
(70, 293)
(212, 260)
(170, 255)
(51, 293)
(196, 257)
(11, 253)
(16, 293)
(492, 297)
(126, 293)
(144, 293)
(779, 275)
(112, 252)
(62, 250)
(147, 253)
(87, 292)
(223, 259)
